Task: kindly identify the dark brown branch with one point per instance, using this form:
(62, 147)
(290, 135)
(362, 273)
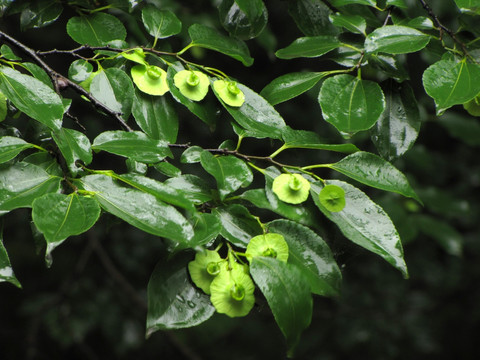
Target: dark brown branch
(60, 79)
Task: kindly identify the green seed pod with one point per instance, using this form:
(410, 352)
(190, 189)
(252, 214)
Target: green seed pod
(204, 268)
(291, 188)
(269, 245)
(232, 292)
(137, 55)
(150, 79)
(229, 92)
(192, 84)
(332, 197)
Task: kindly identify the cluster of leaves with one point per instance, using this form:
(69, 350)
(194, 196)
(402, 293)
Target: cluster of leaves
(142, 88)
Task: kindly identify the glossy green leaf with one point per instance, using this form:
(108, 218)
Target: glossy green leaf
(450, 83)
(290, 85)
(303, 139)
(257, 116)
(230, 172)
(468, 4)
(372, 170)
(398, 3)
(191, 155)
(311, 254)
(445, 234)
(138, 208)
(173, 301)
(206, 228)
(243, 19)
(38, 73)
(398, 127)
(11, 146)
(351, 104)
(3, 107)
(80, 70)
(351, 2)
(365, 223)
(74, 146)
(353, 23)
(156, 116)
(238, 225)
(287, 294)
(194, 187)
(309, 47)
(134, 145)
(312, 17)
(7, 52)
(391, 65)
(40, 13)
(160, 23)
(209, 38)
(396, 39)
(463, 128)
(6, 271)
(60, 216)
(45, 161)
(32, 97)
(167, 169)
(96, 29)
(205, 111)
(114, 88)
(22, 183)
(160, 190)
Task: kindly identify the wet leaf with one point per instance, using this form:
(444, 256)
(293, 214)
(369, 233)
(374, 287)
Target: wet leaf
(160, 23)
(243, 19)
(309, 47)
(74, 146)
(312, 17)
(396, 39)
(96, 29)
(11, 146)
(6, 271)
(194, 187)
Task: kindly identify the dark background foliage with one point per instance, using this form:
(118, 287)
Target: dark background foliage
(90, 303)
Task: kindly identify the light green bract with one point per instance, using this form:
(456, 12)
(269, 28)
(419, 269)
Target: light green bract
(291, 188)
(137, 55)
(192, 84)
(229, 92)
(268, 245)
(232, 291)
(204, 268)
(332, 197)
(150, 79)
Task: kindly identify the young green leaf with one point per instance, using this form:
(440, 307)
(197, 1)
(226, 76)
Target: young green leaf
(74, 146)
(134, 145)
(450, 82)
(113, 88)
(311, 255)
(138, 208)
(206, 37)
(309, 47)
(32, 97)
(351, 104)
(288, 295)
(365, 223)
(59, 216)
(173, 301)
(96, 29)
(396, 39)
(160, 23)
(11, 146)
(6, 271)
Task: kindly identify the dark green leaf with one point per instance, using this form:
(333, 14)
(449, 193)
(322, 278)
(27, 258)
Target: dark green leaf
(167, 169)
(468, 4)
(173, 301)
(396, 39)
(312, 17)
(194, 188)
(230, 172)
(134, 145)
(353, 23)
(32, 97)
(365, 223)
(6, 271)
(3, 107)
(96, 29)
(191, 155)
(337, 3)
(160, 190)
(11, 146)
(238, 225)
(244, 19)
(8, 53)
(46, 162)
(206, 227)
(74, 146)
(466, 129)
(309, 253)
(40, 13)
(156, 116)
(257, 116)
(390, 65)
(287, 294)
(80, 70)
(445, 235)
(114, 88)
(291, 85)
(397, 129)
(372, 170)
(59, 216)
(206, 37)
(39, 73)
(397, 3)
(138, 208)
(160, 23)
(303, 139)
(450, 83)
(309, 47)
(22, 183)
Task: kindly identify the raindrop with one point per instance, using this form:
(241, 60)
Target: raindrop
(191, 304)
(181, 299)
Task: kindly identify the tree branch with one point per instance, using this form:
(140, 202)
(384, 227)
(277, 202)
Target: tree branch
(60, 82)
